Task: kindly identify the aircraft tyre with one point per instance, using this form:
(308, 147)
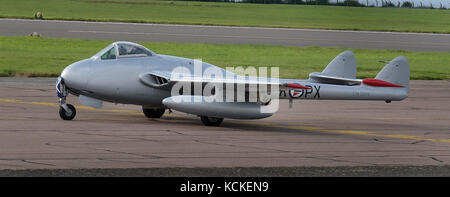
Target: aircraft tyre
(211, 121)
(153, 113)
(67, 115)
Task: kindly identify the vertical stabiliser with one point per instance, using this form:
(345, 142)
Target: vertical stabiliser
(343, 65)
(396, 72)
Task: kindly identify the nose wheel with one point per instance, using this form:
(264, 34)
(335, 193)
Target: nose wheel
(66, 111)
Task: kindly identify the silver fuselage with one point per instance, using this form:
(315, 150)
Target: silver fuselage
(117, 81)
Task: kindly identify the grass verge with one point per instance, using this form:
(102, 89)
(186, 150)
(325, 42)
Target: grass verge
(36, 57)
(235, 14)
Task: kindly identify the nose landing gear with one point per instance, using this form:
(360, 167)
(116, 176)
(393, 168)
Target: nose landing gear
(66, 111)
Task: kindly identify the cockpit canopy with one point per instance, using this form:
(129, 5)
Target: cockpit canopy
(123, 50)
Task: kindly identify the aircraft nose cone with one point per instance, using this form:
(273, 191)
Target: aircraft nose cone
(75, 75)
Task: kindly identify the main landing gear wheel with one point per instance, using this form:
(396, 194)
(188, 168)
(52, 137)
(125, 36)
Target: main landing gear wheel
(68, 114)
(211, 121)
(153, 113)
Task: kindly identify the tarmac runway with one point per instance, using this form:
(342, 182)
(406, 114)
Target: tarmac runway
(413, 132)
(226, 35)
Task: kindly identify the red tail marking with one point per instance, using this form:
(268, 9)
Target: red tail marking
(380, 83)
(297, 86)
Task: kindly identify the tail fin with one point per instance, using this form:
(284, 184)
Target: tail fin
(343, 65)
(396, 72)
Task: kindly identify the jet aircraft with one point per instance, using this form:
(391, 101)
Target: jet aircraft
(128, 73)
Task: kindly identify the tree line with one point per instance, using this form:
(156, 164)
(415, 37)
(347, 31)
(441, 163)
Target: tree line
(352, 3)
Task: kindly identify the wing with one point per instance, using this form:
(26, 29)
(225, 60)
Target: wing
(161, 79)
(250, 105)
